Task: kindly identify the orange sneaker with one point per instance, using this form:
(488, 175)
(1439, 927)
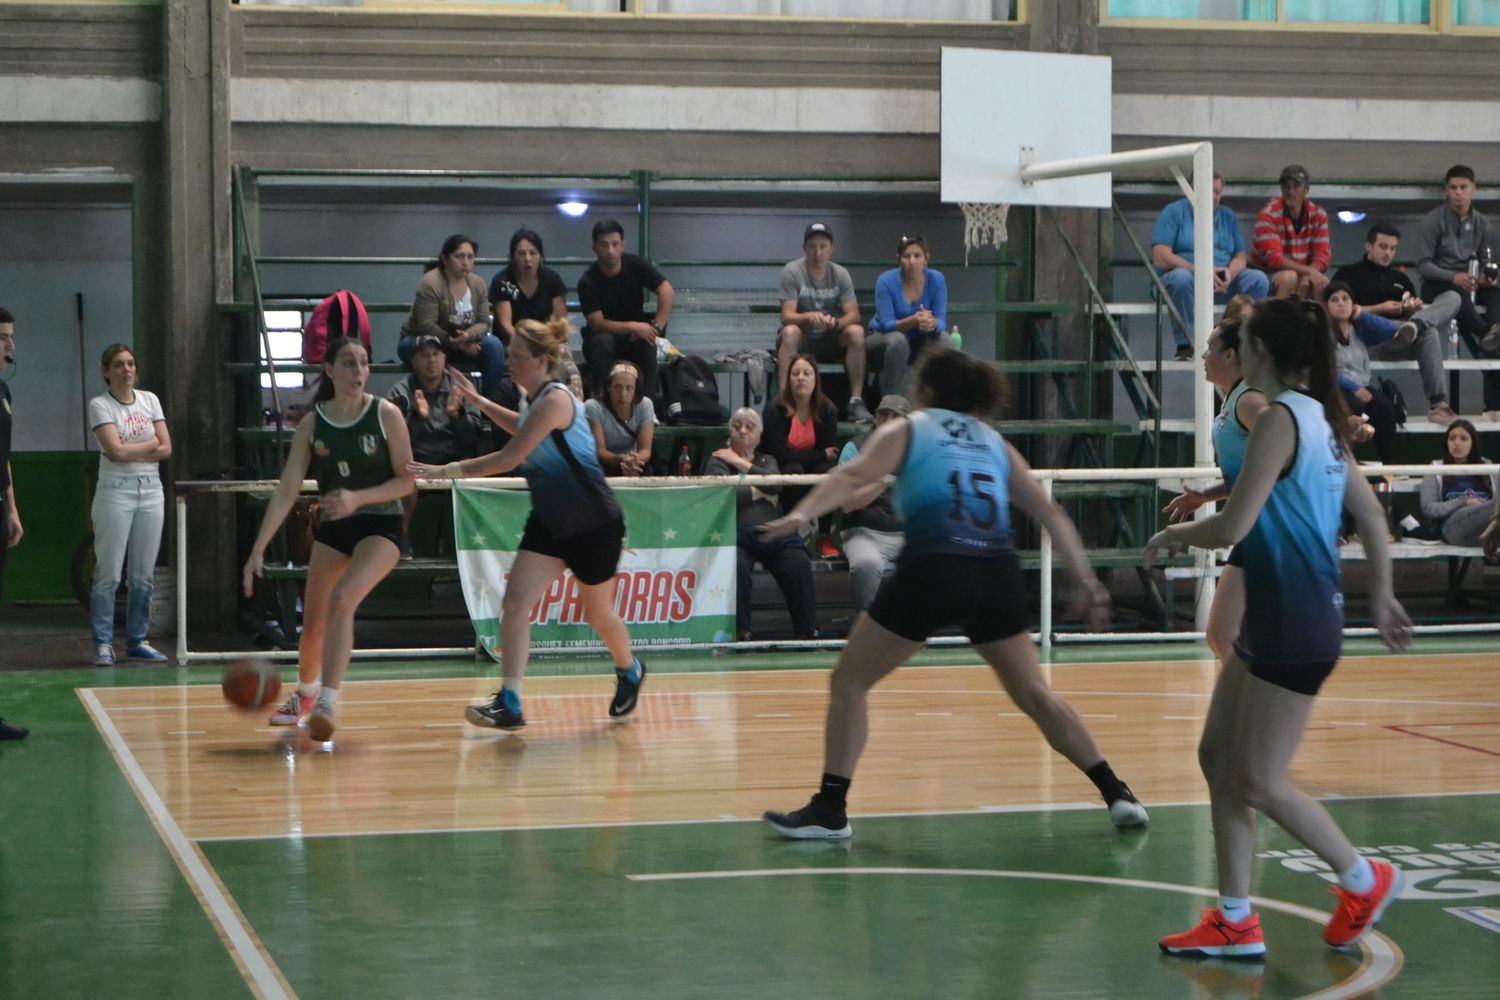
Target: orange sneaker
(826, 548)
(1359, 912)
(1215, 937)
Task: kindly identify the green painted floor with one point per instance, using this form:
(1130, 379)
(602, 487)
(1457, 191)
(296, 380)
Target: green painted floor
(92, 903)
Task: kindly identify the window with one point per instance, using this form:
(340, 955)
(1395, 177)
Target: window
(1416, 13)
(284, 331)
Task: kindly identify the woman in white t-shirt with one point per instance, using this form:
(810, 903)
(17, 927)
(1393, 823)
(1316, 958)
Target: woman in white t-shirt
(129, 506)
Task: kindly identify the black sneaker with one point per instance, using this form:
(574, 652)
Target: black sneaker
(627, 692)
(10, 732)
(1184, 353)
(495, 715)
(814, 821)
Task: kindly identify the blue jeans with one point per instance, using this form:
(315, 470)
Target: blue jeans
(128, 514)
(490, 362)
(1179, 284)
(1374, 330)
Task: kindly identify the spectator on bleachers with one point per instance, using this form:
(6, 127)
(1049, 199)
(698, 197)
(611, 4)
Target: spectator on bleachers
(1173, 255)
(1291, 239)
(912, 299)
(612, 295)
(1392, 319)
(785, 558)
(453, 305)
(1460, 507)
(1450, 236)
(872, 535)
(443, 427)
(526, 288)
(801, 433)
(1374, 416)
(624, 423)
(820, 317)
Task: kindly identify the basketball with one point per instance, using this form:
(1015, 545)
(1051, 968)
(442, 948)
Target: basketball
(251, 684)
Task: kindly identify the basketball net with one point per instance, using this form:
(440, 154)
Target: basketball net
(984, 224)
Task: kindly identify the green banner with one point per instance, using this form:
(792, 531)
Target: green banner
(675, 582)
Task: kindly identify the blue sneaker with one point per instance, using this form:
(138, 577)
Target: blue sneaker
(627, 691)
(496, 714)
(143, 651)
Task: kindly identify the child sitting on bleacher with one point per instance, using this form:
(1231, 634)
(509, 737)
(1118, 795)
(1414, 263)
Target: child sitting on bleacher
(1460, 507)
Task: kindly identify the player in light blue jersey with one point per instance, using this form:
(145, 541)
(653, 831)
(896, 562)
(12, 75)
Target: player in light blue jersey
(575, 520)
(1242, 405)
(956, 479)
(1284, 509)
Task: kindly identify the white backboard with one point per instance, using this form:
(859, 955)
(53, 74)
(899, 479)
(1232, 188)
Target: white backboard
(996, 102)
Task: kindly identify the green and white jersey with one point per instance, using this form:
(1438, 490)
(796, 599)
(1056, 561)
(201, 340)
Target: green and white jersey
(352, 456)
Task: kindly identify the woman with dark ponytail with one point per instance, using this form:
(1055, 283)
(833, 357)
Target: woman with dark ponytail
(1284, 513)
(956, 479)
(356, 446)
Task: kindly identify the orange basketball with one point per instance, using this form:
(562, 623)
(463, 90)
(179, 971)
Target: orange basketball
(251, 684)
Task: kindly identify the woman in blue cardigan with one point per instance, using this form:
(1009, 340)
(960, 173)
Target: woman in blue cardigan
(913, 299)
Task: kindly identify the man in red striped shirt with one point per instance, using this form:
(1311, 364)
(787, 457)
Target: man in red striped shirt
(1291, 239)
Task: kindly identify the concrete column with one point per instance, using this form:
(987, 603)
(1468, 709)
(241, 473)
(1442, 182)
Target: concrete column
(1071, 27)
(194, 233)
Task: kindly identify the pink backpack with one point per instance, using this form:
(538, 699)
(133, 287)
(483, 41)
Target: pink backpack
(339, 315)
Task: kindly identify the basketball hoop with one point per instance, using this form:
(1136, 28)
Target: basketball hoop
(984, 224)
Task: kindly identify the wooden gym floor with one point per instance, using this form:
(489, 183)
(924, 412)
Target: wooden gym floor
(157, 843)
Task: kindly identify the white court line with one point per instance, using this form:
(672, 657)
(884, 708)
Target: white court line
(888, 691)
(187, 732)
(935, 715)
(1183, 718)
(257, 965)
(1035, 807)
(1383, 959)
(773, 715)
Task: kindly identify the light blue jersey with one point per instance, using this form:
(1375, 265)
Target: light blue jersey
(1294, 609)
(953, 488)
(568, 493)
(1230, 436)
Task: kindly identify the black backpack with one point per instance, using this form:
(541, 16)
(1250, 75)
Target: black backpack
(690, 393)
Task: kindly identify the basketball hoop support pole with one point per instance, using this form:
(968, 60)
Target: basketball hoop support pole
(1200, 157)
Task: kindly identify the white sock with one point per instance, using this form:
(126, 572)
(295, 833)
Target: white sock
(328, 696)
(1360, 878)
(512, 685)
(309, 690)
(1234, 908)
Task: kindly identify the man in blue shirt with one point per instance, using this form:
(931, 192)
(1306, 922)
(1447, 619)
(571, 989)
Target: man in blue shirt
(1172, 254)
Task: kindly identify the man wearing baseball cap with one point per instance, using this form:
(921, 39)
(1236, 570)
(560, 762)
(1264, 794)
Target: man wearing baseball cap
(1291, 239)
(820, 316)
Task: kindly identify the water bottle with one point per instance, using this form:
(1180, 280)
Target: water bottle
(1453, 341)
(684, 463)
(956, 337)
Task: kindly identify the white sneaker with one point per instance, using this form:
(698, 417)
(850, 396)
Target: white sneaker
(104, 655)
(1127, 814)
(320, 724)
